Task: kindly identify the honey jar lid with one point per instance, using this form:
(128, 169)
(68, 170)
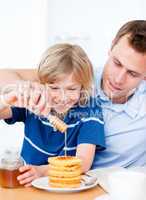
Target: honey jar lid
(10, 160)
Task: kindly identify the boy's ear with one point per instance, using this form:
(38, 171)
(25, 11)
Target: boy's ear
(144, 78)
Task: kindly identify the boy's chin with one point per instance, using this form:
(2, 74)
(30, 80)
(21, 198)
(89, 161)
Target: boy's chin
(61, 110)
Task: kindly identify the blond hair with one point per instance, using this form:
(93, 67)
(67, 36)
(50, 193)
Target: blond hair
(65, 59)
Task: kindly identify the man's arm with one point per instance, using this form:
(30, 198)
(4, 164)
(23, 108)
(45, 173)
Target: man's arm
(12, 75)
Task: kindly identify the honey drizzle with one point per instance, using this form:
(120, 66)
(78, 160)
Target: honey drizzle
(65, 143)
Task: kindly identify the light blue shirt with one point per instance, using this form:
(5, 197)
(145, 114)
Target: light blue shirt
(125, 129)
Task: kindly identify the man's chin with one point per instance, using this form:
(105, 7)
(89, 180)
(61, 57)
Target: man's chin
(118, 98)
(114, 95)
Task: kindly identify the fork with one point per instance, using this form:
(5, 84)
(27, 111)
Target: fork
(88, 179)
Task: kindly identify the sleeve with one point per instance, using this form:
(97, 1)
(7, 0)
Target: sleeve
(18, 115)
(92, 132)
(92, 128)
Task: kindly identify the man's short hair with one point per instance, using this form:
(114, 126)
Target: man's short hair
(136, 34)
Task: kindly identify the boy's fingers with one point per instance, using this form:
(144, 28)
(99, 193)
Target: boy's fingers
(28, 185)
(45, 111)
(41, 104)
(25, 176)
(24, 168)
(27, 180)
(34, 97)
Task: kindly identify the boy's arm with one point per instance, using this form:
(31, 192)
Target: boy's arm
(86, 153)
(5, 113)
(10, 76)
(5, 108)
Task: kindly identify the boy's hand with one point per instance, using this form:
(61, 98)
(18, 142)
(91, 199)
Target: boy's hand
(29, 173)
(30, 95)
(40, 99)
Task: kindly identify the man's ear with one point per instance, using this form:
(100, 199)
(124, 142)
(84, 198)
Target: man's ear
(109, 51)
(144, 78)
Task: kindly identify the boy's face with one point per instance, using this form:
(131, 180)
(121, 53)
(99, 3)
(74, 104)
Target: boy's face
(65, 93)
(124, 70)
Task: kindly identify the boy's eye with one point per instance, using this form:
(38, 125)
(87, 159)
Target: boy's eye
(72, 89)
(54, 88)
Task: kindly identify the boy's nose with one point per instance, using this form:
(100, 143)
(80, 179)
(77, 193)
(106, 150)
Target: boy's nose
(63, 96)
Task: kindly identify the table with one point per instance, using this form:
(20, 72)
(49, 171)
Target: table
(36, 194)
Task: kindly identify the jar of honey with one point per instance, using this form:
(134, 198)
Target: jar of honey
(9, 169)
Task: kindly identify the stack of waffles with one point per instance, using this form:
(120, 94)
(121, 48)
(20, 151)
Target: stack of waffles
(64, 172)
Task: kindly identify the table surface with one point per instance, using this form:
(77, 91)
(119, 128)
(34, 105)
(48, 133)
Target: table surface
(37, 194)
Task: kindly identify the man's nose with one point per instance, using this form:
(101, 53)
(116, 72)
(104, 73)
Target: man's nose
(120, 77)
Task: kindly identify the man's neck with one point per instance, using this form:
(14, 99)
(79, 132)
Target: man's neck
(121, 100)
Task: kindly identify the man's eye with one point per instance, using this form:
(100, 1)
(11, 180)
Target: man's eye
(133, 74)
(117, 63)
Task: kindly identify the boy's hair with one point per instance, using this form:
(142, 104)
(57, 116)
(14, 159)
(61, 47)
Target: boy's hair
(66, 58)
(136, 32)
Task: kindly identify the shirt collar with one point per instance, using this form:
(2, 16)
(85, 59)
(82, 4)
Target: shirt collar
(135, 105)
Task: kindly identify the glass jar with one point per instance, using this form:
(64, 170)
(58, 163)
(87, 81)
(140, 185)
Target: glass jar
(9, 169)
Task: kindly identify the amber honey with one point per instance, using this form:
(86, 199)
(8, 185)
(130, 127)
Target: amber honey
(8, 178)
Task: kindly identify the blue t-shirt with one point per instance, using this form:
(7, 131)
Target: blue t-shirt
(41, 140)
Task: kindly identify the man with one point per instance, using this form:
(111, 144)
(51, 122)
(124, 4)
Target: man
(123, 98)
(121, 88)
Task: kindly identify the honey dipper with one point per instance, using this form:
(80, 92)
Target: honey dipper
(57, 123)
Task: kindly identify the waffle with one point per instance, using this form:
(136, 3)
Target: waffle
(64, 168)
(64, 161)
(64, 171)
(65, 182)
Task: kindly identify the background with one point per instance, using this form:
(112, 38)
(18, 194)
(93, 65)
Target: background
(28, 27)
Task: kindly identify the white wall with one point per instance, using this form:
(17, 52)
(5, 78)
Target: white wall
(11, 136)
(28, 27)
(91, 23)
(22, 32)
(22, 41)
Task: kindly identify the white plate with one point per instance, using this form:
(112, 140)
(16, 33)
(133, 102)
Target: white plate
(42, 183)
(103, 197)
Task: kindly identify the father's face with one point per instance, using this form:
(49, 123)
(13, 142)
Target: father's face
(124, 70)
